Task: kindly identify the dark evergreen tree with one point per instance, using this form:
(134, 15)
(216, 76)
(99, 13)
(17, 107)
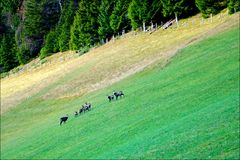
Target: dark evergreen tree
(208, 7)
(10, 5)
(8, 58)
(85, 25)
(119, 19)
(50, 44)
(8, 23)
(74, 43)
(33, 19)
(105, 11)
(50, 14)
(40, 17)
(138, 12)
(66, 20)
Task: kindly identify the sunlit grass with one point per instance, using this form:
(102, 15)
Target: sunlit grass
(187, 109)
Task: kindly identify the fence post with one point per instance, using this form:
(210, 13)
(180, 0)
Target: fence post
(161, 23)
(211, 18)
(176, 20)
(123, 32)
(152, 26)
(113, 38)
(144, 27)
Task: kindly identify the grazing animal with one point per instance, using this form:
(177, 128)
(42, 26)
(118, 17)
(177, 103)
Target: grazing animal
(63, 119)
(81, 110)
(85, 107)
(118, 94)
(110, 98)
(88, 106)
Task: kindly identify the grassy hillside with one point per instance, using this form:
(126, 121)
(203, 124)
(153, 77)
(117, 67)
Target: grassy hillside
(187, 109)
(69, 75)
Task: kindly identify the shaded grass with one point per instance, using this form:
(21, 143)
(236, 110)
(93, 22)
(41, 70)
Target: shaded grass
(189, 109)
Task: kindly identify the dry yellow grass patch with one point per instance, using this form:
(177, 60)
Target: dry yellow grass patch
(69, 75)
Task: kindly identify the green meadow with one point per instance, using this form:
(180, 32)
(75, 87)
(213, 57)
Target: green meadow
(188, 108)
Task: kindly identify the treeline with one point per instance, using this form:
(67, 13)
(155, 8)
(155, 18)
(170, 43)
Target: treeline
(31, 28)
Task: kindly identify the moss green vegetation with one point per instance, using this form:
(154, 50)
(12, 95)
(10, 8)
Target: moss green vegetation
(188, 109)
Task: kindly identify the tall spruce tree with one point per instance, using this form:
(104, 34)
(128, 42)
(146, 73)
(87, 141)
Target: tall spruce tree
(33, 22)
(74, 43)
(119, 18)
(105, 11)
(67, 18)
(8, 59)
(84, 29)
(10, 5)
(50, 44)
(40, 18)
(51, 12)
(138, 12)
(8, 23)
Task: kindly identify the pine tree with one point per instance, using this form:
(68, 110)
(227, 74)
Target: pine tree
(50, 44)
(85, 25)
(119, 18)
(64, 26)
(138, 12)
(50, 14)
(10, 5)
(40, 18)
(8, 58)
(105, 11)
(74, 43)
(33, 19)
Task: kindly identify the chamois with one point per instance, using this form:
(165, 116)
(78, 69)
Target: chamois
(63, 119)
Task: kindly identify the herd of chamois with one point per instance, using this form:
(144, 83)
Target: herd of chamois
(87, 106)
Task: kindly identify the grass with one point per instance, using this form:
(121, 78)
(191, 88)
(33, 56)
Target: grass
(188, 109)
(69, 75)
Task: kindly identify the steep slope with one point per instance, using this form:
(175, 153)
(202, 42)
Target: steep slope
(68, 75)
(188, 109)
